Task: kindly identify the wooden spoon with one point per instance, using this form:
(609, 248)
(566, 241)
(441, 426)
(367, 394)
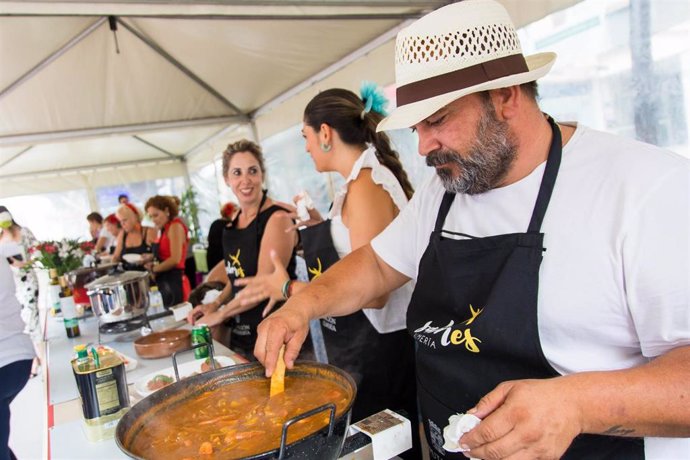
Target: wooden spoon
(278, 377)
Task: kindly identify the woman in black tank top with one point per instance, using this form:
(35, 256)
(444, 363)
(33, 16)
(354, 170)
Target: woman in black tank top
(134, 238)
(260, 227)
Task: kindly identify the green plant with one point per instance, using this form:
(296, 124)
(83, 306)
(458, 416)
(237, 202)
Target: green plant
(189, 209)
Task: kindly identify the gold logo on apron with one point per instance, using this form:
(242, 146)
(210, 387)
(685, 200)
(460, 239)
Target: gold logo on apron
(316, 271)
(236, 264)
(426, 335)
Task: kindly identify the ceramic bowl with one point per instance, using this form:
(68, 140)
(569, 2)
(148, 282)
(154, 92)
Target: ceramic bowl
(162, 344)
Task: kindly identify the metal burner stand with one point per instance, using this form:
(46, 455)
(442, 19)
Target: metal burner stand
(122, 326)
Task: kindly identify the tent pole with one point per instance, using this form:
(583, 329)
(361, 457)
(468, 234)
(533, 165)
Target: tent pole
(225, 9)
(57, 136)
(23, 151)
(187, 180)
(152, 145)
(90, 168)
(255, 131)
(93, 201)
(158, 49)
(219, 183)
(330, 70)
(45, 62)
(197, 148)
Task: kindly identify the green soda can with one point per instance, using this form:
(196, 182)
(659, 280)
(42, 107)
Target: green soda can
(201, 333)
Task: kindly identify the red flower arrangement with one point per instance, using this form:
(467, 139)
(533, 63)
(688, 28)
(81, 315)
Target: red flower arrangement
(64, 256)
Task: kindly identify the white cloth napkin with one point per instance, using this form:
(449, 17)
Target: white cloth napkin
(304, 204)
(458, 425)
(210, 296)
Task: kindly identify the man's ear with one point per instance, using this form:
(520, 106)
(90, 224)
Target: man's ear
(507, 101)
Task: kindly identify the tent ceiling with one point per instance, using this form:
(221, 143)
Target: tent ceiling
(177, 75)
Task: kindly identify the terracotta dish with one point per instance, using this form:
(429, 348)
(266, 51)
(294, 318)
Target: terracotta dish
(162, 344)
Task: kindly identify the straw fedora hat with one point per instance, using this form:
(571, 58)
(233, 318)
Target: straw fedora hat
(460, 49)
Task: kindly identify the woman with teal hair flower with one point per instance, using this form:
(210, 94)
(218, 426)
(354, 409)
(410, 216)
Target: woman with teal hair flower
(373, 98)
(372, 345)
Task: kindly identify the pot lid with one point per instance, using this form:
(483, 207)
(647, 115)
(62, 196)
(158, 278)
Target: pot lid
(116, 279)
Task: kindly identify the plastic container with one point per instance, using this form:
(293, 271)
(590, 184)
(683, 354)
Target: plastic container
(199, 252)
(155, 300)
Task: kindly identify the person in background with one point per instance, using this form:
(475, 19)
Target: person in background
(214, 251)
(189, 262)
(552, 261)
(340, 132)
(123, 198)
(95, 221)
(102, 239)
(16, 350)
(169, 250)
(260, 227)
(134, 238)
(178, 202)
(25, 279)
(112, 225)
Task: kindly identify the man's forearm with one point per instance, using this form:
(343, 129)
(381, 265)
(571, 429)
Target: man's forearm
(347, 286)
(649, 400)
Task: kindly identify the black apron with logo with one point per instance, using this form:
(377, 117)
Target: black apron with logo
(382, 365)
(474, 315)
(241, 248)
(169, 282)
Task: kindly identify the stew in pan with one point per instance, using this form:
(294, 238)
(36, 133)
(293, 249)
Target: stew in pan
(237, 420)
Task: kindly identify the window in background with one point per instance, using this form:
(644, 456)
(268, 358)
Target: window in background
(52, 216)
(405, 143)
(622, 67)
(138, 193)
(206, 183)
(290, 170)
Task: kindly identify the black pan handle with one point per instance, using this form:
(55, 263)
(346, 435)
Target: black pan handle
(331, 422)
(198, 345)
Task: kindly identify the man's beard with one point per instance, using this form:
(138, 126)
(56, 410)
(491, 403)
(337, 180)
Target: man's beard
(486, 163)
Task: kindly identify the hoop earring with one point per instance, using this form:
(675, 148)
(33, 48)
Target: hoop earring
(326, 147)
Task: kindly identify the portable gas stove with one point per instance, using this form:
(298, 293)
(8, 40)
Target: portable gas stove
(378, 437)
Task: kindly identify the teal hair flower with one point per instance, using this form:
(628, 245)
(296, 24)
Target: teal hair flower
(373, 98)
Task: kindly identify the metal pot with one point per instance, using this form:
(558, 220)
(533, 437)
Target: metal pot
(79, 278)
(324, 444)
(119, 296)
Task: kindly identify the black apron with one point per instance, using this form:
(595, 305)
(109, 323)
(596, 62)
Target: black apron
(143, 248)
(382, 365)
(169, 282)
(474, 315)
(241, 248)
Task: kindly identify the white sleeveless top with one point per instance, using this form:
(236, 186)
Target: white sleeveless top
(391, 317)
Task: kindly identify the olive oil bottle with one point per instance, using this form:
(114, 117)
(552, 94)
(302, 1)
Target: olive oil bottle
(102, 384)
(69, 310)
(54, 289)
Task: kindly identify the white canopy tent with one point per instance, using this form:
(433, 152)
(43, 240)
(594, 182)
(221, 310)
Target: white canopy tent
(101, 93)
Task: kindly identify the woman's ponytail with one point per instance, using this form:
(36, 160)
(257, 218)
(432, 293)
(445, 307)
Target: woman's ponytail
(385, 153)
(355, 120)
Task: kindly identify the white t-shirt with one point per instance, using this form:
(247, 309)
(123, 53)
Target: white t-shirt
(391, 317)
(110, 239)
(15, 345)
(614, 285)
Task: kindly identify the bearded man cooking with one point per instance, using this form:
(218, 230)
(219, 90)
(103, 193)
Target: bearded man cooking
(551, 260)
